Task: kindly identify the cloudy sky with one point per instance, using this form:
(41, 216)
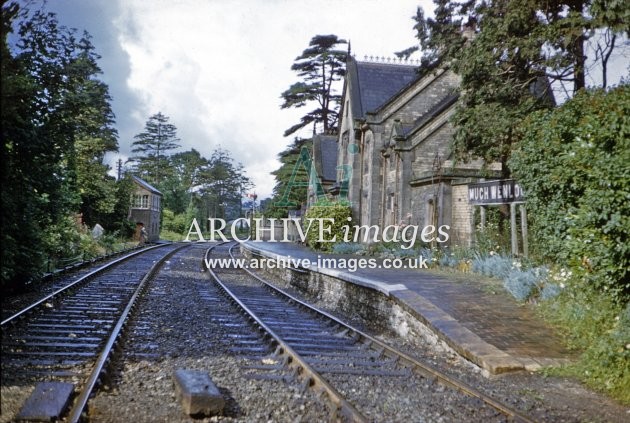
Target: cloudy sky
(217, 67)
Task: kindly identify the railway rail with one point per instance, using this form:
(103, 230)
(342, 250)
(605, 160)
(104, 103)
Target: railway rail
(69, 336)
(52, 281)
(328, 355)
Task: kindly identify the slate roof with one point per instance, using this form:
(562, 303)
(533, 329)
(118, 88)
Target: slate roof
(325, 157)
(144, 184)
(373, 84)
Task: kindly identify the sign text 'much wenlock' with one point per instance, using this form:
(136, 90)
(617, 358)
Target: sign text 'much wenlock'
(495, 192)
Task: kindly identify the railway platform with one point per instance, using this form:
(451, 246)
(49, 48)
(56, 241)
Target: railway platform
(488, 327)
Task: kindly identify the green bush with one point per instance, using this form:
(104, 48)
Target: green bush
(63, 239)
(600, 328)
(341, 215)
(175, 226)
(573, 163)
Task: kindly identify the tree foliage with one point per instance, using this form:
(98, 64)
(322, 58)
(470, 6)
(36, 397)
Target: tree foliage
(507, 53)
(289, 159)
(574, 165)
(152, 147)
(320, 67)
(56, 126)
(186, 171)
(222, 185)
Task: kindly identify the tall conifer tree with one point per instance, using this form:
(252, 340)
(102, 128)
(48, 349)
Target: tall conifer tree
(152, 146)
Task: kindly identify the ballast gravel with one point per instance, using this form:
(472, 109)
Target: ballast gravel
(543, 398)
(183, 322)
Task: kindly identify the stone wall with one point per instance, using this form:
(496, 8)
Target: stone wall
(461, 229)
(374, 308)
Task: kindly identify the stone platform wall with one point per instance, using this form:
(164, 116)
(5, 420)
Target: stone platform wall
(373, 307)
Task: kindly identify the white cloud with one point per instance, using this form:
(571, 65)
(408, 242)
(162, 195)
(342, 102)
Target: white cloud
(217, 68)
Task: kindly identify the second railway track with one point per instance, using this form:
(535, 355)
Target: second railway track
(68, 336)
(354, 371)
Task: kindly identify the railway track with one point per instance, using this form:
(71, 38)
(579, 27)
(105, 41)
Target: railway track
(68, 336)
(53, 281)
(343, 364)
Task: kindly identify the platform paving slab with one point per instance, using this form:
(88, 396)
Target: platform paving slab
(47, 402)
(198, 393)
(491, 329)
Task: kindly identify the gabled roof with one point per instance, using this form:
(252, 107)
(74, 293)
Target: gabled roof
(436, 110)
(144, 184)
(372, 84)
(325, 157)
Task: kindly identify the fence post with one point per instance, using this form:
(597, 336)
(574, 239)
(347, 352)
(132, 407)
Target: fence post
(524, 230)
(513, 229)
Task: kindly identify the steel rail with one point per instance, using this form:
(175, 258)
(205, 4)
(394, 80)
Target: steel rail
(311, 377)
(81, 402)
(404, 358)
(78, 281)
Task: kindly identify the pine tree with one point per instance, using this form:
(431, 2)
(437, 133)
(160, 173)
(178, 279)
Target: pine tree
(151, 148)
(320, 66)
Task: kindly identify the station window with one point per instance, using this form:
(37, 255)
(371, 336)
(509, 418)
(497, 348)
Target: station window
(141, 201)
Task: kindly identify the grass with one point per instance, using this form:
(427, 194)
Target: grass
(171, 236)
(599, 329)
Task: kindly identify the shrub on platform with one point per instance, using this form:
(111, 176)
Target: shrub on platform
(341, 216)
(523, 284)
(404, 253)
(495, 266)
(430, 255)
(550, 290)
(599, 328)
(449, 260)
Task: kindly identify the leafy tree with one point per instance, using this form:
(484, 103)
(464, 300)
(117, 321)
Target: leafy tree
(95, 136)
(288, 159)
(506, 56)
(573, 164)
(439, 37)
(151, 148)
(500, 81)
(320, 67)
(52, 104)
(222, 184)
(185, 174)
(22, 202)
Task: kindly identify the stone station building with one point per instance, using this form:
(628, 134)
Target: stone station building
(394, 158)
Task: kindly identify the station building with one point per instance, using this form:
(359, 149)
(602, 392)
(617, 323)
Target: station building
(394, 160)
(145, 207)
